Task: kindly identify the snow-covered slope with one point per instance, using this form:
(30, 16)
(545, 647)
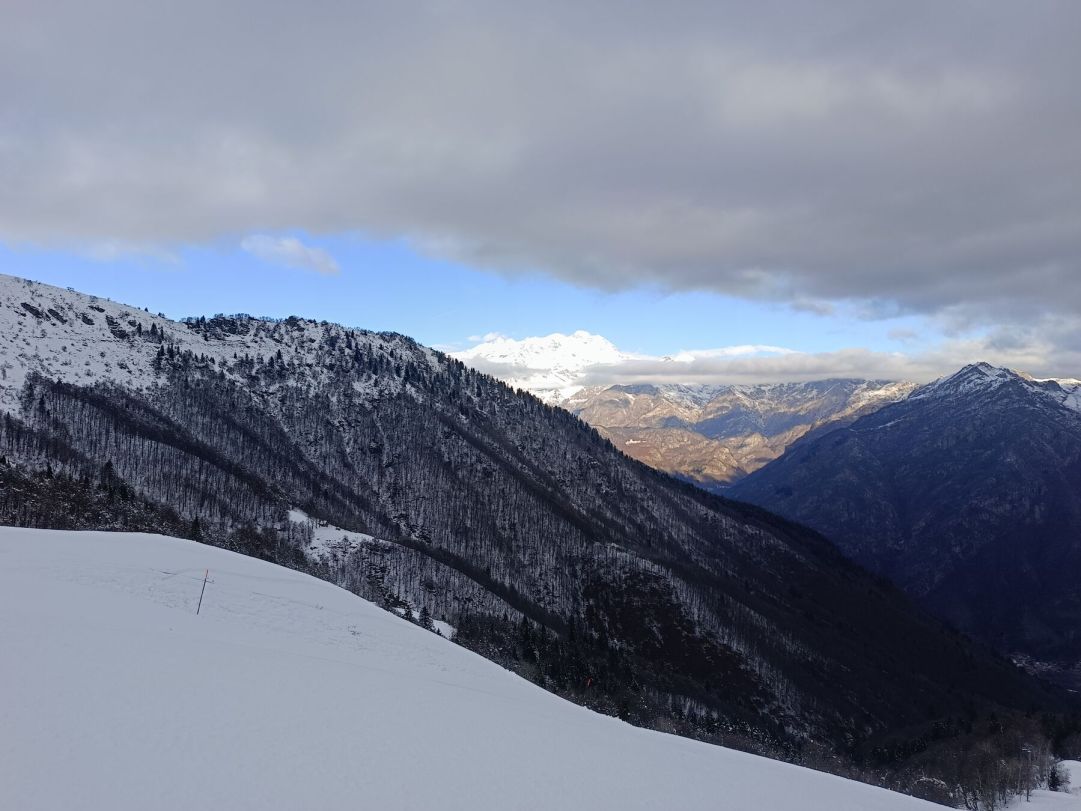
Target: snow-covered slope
(328, 542)
(286, 692)
(1059, 801)
(1073, 770)
(81, 339)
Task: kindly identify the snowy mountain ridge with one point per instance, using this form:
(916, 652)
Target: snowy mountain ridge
(762, 397)
(984, 376)
(82, 339)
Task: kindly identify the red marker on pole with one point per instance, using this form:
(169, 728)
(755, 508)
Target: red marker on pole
(199, 607)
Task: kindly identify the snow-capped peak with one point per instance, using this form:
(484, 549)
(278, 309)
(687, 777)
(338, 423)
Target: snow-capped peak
(572, 352)
(550, 365)
(984, 377)
(973, 377)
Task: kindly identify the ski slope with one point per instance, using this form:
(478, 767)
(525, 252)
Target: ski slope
(286, 692)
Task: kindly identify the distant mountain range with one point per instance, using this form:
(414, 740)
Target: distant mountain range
(711, 435)
(715, 435)
(455, 498)
(967, 494)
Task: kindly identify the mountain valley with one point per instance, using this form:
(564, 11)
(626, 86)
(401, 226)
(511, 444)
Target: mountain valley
(463, 502)
(714, 435)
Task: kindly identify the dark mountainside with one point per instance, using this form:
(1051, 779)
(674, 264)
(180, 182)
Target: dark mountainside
(547, 548)
(967, 495)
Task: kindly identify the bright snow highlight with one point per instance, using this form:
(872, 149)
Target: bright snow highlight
(287, 692)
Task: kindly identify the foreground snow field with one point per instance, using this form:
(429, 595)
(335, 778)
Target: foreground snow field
(289, 693)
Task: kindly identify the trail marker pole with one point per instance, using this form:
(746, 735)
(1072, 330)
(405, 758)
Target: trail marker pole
(201, 592)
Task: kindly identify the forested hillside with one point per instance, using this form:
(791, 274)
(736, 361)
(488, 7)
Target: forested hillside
(511, 520)
(967, 495)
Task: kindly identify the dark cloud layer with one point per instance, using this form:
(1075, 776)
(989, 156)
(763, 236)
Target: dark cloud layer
(917, 155)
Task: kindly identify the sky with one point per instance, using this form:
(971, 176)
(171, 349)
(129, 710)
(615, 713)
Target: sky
(884, 188)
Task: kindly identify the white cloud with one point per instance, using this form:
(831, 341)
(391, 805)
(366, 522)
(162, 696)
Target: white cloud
(290, 252)
(740, 350)
(485, 338)
(557, 366)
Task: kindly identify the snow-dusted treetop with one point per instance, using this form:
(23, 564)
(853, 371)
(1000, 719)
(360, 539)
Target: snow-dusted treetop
(81, 339)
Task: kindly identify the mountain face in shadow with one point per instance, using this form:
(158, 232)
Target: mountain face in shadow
(967, 495)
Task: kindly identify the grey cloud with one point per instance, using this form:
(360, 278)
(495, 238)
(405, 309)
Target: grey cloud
(847, 363)
(917, 156)
(289, 252)
(1033, 355)
(812, 306)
